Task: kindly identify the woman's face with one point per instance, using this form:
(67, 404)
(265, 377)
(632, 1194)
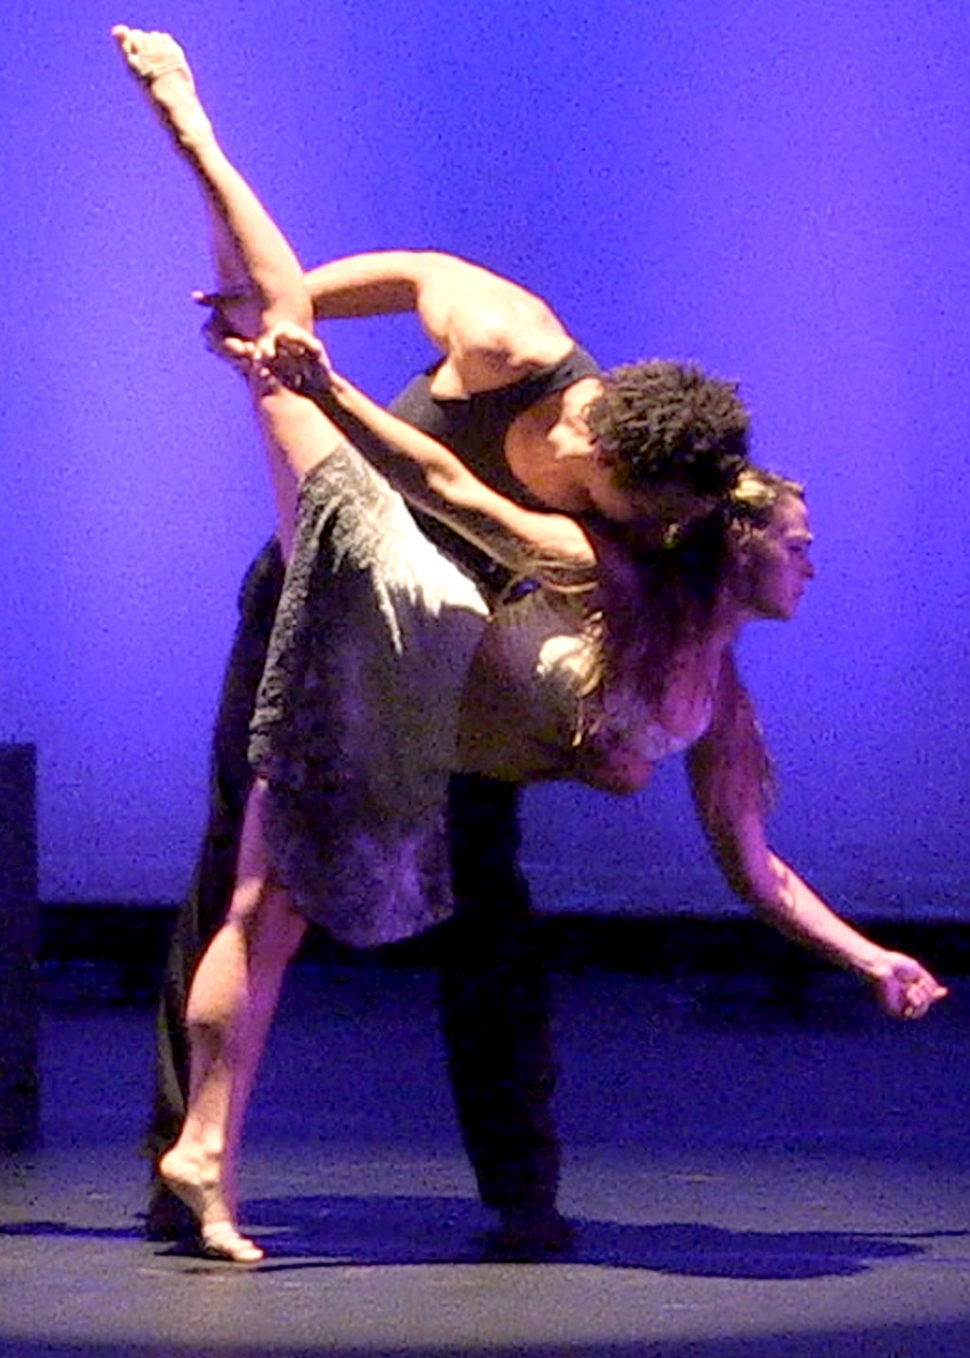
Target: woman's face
(775, 562)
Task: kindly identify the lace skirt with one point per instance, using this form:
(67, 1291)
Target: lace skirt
(356, 718)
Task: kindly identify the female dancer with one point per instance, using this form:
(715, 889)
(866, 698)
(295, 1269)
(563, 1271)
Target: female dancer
(603, 664)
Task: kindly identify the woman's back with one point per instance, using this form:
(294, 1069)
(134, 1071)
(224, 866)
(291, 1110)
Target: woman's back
(534, 709)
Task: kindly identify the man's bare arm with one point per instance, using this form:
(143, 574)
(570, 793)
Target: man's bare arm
(490, 330)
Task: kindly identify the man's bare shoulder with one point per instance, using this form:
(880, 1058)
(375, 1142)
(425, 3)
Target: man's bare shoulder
(491, 330)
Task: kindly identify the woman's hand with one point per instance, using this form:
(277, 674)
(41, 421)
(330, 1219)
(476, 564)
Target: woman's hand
(294, 357)
(906, 989)
(285, 353)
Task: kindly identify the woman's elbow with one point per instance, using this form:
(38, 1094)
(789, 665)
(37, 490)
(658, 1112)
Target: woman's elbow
(749, 873)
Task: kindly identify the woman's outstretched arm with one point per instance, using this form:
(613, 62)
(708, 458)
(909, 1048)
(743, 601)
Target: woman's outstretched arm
(724, 769)
(429, 476)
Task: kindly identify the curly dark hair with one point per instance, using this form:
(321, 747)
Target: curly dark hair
(661, 421)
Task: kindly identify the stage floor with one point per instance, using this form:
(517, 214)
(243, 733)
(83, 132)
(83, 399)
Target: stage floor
(746, 1179)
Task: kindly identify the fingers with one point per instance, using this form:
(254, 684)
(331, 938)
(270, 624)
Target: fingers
(285, 352)
(907, 990)
(285, 337)
(288, 351)
(218, 300)
(920, 994)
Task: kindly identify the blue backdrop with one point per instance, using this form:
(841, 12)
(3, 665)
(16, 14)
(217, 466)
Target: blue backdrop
(780, 192)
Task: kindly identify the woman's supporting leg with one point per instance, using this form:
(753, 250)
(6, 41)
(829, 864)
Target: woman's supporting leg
(230, 1007)
(204, 908)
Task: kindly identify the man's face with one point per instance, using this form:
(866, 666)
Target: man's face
(649, 513)
(775, 562)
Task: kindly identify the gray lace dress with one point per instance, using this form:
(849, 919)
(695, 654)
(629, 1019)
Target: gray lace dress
(356, 719)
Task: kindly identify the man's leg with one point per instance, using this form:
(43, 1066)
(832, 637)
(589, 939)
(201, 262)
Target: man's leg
(205, 905)
(494, 1011)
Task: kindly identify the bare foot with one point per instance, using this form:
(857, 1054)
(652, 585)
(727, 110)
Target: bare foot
(160, 65)
(200, 1188)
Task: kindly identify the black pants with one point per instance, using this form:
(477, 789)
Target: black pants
(494, 999)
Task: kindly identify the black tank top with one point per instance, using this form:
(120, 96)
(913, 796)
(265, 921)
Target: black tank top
(474, 428)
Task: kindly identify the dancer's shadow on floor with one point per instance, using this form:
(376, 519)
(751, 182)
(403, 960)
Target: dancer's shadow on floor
(352, 1230)
(344, 1231)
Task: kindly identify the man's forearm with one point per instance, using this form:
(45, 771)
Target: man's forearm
(376, 284)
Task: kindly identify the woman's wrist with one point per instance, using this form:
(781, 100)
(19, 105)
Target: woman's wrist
(871, 964)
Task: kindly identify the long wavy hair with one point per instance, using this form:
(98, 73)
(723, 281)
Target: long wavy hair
(656, 603)
(650, 608)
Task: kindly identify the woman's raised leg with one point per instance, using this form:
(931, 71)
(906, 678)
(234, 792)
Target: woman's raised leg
(254, 263)
(251, 253)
